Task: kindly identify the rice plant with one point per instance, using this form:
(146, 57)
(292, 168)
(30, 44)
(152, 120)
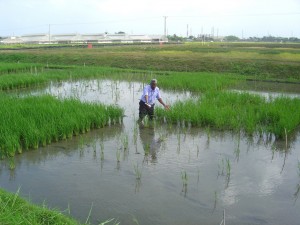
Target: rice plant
(12, 164)
(245, 112)
(124, 139)
(137, 172)
(184, 178)
(228, 167)
(221, 168)
(135, 134)
(147, 149)
(118, 155)
(102, 150)
(39, 120)
(298, 168)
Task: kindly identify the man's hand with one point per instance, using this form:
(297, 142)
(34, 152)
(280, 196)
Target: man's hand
(167, 107)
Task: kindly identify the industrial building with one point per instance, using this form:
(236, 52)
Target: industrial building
(83, 38)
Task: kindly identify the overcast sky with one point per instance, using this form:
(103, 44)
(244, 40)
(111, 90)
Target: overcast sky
(225, 17)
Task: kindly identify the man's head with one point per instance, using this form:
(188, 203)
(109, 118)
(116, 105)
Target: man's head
(153, 84)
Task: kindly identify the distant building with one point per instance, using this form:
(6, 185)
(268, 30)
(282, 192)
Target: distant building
(83, 38)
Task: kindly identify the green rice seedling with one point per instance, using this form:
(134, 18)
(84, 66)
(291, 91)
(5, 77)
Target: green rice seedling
(198, 175)
(81, 143)
(94, 145)
(38, 120)
(12, 164)
(184, 178)
(125, 141)
(137, 172)
(135, 134)
(237, 150)
(298, 168)
(296, 194)
(118, 155)
(221, 168)
(228, 167)
(102, 150)
(215, 200)
(239, 112)
(147, 149)
(178, 142)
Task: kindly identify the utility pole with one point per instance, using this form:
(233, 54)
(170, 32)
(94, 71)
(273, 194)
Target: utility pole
(49, 33)
(165, 26)
(187, 31)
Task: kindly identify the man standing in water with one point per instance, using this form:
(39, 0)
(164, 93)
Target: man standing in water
(147, 102)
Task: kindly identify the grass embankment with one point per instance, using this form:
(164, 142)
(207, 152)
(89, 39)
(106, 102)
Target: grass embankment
(235, 111)
(261, 61)
(15, 210)
(39, 120)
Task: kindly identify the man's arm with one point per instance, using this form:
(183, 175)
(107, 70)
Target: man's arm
(162, 102)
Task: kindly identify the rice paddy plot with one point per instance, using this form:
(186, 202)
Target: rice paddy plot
(33, 121)
(151, 174)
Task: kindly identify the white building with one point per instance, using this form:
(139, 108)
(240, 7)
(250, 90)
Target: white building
(83, 38)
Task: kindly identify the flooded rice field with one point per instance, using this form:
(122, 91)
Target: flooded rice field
(159, 174)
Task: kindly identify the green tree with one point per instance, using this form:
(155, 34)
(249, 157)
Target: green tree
(231, 38)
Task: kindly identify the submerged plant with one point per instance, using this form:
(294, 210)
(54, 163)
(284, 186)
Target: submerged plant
(147, 149)
(228, 167)
(137, 172)
(102, 150)
(125, 141)
(184, 178)
(81, 142)
(221, 168)
(118, 155)
(298, 168)
(12, 164)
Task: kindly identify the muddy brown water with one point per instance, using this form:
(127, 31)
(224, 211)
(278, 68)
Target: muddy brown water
(261, 186)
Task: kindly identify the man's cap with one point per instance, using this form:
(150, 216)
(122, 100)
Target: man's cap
(153, 81)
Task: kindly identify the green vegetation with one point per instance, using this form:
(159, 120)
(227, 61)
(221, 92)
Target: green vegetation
(15, 210)
(18, 67)
(199, 82)
(248, 59)
(184, 178)
(37, 121)
(137, 172)
(234, 111)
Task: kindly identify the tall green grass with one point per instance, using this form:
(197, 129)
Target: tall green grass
(18, 67)
(15, 210)
(237, 111)
(36, 121)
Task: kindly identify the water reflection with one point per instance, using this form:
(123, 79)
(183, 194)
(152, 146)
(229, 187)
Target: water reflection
(151, 145)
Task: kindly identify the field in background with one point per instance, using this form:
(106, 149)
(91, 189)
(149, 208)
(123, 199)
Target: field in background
(257, 60)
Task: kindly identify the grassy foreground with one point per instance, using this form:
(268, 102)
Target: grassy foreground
(36, 121)
(238, 111)
(15, 210)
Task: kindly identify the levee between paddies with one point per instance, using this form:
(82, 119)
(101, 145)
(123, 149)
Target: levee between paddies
(35, 121)
(238, 111)
(16, 210)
